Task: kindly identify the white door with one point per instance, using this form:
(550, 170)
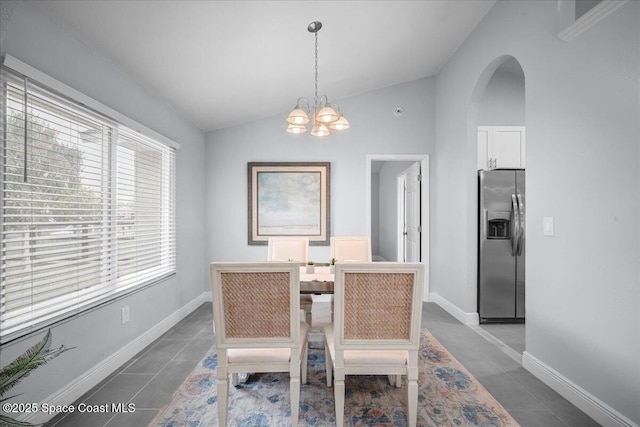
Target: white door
(410, 210)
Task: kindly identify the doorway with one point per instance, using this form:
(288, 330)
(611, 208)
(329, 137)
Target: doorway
(499, 101)
(383, 172)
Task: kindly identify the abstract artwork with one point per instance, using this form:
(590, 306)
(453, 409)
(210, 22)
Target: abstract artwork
(289, 199)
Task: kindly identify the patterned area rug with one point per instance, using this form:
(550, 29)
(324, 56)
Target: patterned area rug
(448, 396)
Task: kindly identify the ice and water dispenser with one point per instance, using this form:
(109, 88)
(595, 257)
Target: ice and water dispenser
(498, 225)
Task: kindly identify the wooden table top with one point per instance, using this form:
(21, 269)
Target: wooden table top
(318, 282)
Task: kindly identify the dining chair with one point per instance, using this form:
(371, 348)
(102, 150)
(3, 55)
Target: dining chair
(257, 325)
(351, 249)
(376, 329)
(292, 248)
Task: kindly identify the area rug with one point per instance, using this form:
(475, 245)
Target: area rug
(448, 396)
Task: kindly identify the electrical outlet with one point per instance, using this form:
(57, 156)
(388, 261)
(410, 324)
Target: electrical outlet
(125, 314)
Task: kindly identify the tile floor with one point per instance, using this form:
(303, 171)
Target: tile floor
(150, 378)
(511, 334)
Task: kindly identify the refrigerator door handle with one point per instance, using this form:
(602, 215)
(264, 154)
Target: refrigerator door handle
(521, 224)
(515, 227)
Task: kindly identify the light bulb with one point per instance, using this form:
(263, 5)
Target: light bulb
(296, 129)
(340, 124)
(319, 130)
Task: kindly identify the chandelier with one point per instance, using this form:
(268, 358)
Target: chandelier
(325, 115)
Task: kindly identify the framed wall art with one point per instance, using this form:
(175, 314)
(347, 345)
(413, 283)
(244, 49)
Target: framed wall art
(289, 199)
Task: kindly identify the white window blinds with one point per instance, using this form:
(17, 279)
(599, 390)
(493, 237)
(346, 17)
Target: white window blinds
(87, 208)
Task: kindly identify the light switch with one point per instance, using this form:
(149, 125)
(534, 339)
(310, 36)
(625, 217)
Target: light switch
(547, 226)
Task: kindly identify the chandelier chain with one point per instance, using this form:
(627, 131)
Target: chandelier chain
(316, 93)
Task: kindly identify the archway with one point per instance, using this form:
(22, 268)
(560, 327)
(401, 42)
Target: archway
(497, 104)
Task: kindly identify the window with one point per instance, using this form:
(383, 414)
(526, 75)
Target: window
(87, 208)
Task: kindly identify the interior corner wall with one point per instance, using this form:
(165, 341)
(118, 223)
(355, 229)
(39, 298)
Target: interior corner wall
(36, 40)
(374, 130)
(583, 163)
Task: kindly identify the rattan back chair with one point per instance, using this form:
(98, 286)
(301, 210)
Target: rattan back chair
(292, 248)
(257, 325)
(376, 329)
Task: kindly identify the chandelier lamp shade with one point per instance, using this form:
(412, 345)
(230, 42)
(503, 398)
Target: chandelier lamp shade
(323, 116)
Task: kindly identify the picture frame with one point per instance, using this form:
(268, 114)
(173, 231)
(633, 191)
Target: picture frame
(289, 199)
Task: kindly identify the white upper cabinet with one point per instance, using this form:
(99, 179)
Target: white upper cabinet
(500, 147)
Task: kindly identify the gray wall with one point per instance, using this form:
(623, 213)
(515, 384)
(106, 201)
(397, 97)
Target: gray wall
(582, 110)
(374, 130)
(35, 40)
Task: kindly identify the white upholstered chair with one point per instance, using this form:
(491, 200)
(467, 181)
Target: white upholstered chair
(256, 314)
(351, 249)
(292, 248)
(376, 329)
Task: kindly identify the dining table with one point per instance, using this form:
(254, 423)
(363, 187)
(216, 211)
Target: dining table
(318, 282)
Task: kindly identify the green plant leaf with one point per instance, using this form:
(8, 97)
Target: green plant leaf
(34, 357)
(9, 397)
(10, 422)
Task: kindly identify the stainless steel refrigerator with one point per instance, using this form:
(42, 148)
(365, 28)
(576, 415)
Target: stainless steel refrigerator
(501, 245)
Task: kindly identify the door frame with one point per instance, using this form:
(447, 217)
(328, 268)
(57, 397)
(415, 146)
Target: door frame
(424, 202)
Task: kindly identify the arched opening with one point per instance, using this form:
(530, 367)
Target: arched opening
(496, 129)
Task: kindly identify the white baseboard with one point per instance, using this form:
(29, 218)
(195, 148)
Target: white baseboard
(581, 398)
(85, 382)
(585, 401)
(469, 319)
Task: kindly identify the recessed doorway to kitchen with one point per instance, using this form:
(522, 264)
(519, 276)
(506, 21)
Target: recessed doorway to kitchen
(498, 115)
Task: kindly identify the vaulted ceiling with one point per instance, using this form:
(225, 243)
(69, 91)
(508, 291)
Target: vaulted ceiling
(224, 63)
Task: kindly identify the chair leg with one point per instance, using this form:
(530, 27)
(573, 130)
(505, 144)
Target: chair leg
(412, 402)
(223, 387)
(303, 363)
(223, 395)
(306, 305)
(295, 400)
(331, 314)
(395, 380)
(412, 388)
(328, 364)
(338, 386)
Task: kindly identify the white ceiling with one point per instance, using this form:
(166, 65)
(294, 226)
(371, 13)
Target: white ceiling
(224, 63)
